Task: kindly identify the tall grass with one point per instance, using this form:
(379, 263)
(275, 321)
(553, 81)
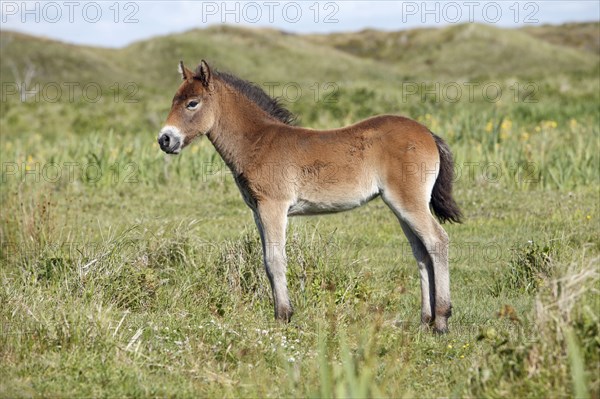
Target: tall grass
(128, 273)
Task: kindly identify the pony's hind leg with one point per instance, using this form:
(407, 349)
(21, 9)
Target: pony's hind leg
(425, 272)
(429, 235)
(271, 220)
(436, 240)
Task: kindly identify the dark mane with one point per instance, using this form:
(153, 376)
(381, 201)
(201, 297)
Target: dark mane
(258, 96)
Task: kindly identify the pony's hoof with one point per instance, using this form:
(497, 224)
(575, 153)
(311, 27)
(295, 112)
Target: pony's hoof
(284, 314)
(440, 325)
(440, 331)
(426, 320)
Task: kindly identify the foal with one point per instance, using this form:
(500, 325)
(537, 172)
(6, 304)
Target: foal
(284, 170)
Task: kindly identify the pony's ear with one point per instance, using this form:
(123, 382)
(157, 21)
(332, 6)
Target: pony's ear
(185, 73)
(203, 73)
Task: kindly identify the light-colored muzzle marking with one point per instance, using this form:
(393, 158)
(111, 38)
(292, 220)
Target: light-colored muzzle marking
(170, 139)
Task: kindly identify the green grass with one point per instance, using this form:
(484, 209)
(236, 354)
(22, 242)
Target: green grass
(131, 273)
(460, 50)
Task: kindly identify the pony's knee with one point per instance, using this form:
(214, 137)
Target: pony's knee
(442, 239)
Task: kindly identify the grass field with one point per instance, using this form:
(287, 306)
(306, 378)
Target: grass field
(129, 273)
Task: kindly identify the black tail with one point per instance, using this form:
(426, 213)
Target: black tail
(444, 206)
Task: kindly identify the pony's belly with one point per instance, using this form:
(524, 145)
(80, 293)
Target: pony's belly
(312, 207)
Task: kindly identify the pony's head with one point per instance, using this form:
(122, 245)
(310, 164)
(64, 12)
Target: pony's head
(193, 111)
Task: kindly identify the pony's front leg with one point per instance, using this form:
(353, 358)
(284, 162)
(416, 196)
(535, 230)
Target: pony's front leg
(271, 220)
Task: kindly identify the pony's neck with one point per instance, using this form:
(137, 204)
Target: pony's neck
(239, 130)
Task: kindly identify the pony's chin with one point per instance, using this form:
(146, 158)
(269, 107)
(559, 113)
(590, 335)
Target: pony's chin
(173, 151)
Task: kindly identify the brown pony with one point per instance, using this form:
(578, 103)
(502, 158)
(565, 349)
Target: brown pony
(284, 170)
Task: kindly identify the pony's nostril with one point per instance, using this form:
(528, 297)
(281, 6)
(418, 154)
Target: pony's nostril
(169, 142)
(164, 140)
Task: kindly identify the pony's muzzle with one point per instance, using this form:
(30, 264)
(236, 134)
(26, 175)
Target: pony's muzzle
(169, 142)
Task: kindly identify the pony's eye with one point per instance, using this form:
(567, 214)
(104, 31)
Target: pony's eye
(192, 104)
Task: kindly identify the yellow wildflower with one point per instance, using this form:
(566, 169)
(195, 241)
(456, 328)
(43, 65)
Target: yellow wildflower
(29, 163)
(573, 123)
(489, 127)
(506, 124)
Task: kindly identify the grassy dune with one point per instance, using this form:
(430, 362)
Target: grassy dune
(126, 272)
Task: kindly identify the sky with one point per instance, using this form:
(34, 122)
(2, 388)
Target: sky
(117, 24)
